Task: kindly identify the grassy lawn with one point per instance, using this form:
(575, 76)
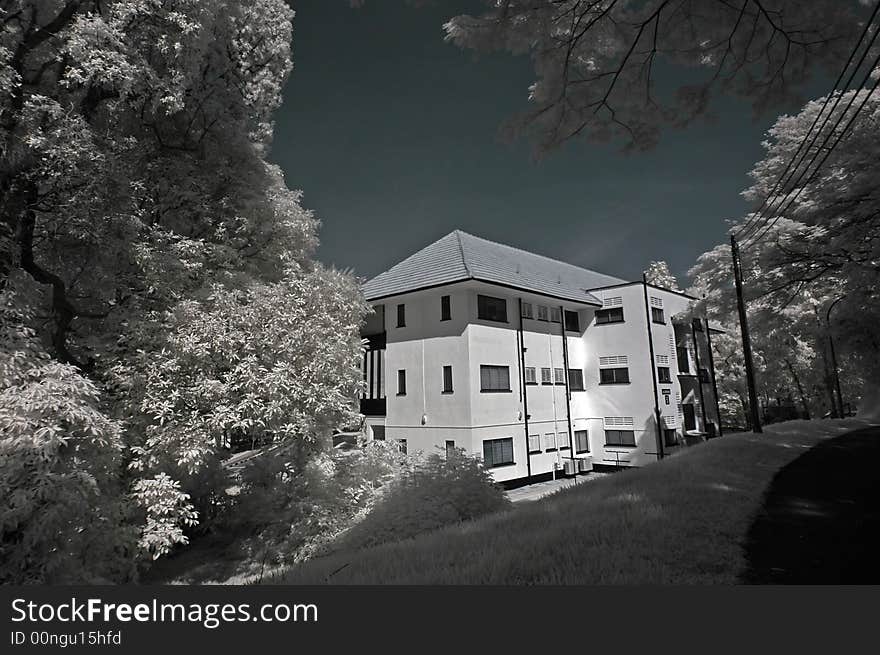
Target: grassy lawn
(679, 521)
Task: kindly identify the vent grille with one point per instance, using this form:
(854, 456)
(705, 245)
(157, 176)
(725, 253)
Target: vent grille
(614, 360)
(613, 301)
(656, 302)
(617, 421)
(663, 359)
(669, 421)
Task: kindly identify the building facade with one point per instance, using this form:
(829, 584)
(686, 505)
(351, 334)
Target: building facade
(530, 362)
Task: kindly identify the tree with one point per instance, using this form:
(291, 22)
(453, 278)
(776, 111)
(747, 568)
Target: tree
(141, 221)
(596, 60)
(658, 274)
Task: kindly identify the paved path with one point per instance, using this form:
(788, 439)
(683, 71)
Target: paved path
(541, 489)
(820, 523)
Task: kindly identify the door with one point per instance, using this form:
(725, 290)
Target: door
(690, 418)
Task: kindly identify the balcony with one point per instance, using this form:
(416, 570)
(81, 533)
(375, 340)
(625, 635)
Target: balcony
(373, 406)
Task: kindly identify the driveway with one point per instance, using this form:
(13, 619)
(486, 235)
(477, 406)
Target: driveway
(820, 521)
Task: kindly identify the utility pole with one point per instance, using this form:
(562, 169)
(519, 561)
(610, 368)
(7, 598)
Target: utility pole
(747, 343)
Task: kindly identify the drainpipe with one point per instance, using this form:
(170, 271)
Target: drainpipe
(699, 379)
(567, 387)
(714, 381)
(660, 452)
(525, 391)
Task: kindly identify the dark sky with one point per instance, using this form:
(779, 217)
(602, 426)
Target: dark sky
(392, 134)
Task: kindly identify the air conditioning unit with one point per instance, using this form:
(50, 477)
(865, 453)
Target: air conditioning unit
(570, 467)
(585, 465)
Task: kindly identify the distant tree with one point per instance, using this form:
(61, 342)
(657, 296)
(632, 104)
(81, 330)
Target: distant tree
(658, 274)
(596, 60)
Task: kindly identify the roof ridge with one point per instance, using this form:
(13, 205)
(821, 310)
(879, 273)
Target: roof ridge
(533, 254)
(467, 269)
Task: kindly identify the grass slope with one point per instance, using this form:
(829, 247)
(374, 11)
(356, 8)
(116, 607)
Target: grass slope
(679, 521)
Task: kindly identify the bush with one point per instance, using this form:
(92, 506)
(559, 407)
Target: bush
(434, 492)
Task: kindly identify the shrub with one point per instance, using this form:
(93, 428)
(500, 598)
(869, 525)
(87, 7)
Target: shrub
(434, 492)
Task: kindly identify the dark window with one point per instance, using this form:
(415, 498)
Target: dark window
(401, 444)
(378, 433)
(527, 310)
(401, 383)
(704, 375)
(581, 441)
(492, 309)
(555, 315)
(401, 316)
(620, 438)
(445, 308)
(613, 315)
(447, 379)
(683, 363)
(494, 378)
(613, 375)
(663, 375)
(558, 376)
(546, 376)
(497, 452)
(572, 324)
(670, 438)
(450, 449)
(530, 375)
(534, 443)
(657, 315)
(575, 379)
(698, 325)
(542, 312)
(666, 398)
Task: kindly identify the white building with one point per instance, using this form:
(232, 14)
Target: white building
(529, 362)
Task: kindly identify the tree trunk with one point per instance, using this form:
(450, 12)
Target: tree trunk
(800, 388)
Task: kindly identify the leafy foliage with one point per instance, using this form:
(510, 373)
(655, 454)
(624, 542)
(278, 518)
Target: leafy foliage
(596, 61)
(433, 492)
(658, 274)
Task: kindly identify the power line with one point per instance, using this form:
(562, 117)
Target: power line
(770, 199)
(757, 236)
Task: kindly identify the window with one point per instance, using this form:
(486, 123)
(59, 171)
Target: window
(450, 449)
(683, 360)
(704, 375)
(575, 379)
(558, 376)
(555, 315)
(663, 375)
(562, 440)
(572, 324)
(613, 375)
(447, 379)
(657, 315)
(494, 378)
(401, 316)
(581, 441)
(542, 313)
(614, 315)
(530, 375)
(545, 376)
(401, 383)
(534, 443)
(666, 396)
(620, 438)
(549, 441)
(497, 452)
(378, 433)
(670, 438)
(445, 308)
(527, 310)
(492, 309)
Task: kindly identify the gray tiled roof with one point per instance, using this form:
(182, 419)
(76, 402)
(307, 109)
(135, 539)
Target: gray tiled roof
(461, 256)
